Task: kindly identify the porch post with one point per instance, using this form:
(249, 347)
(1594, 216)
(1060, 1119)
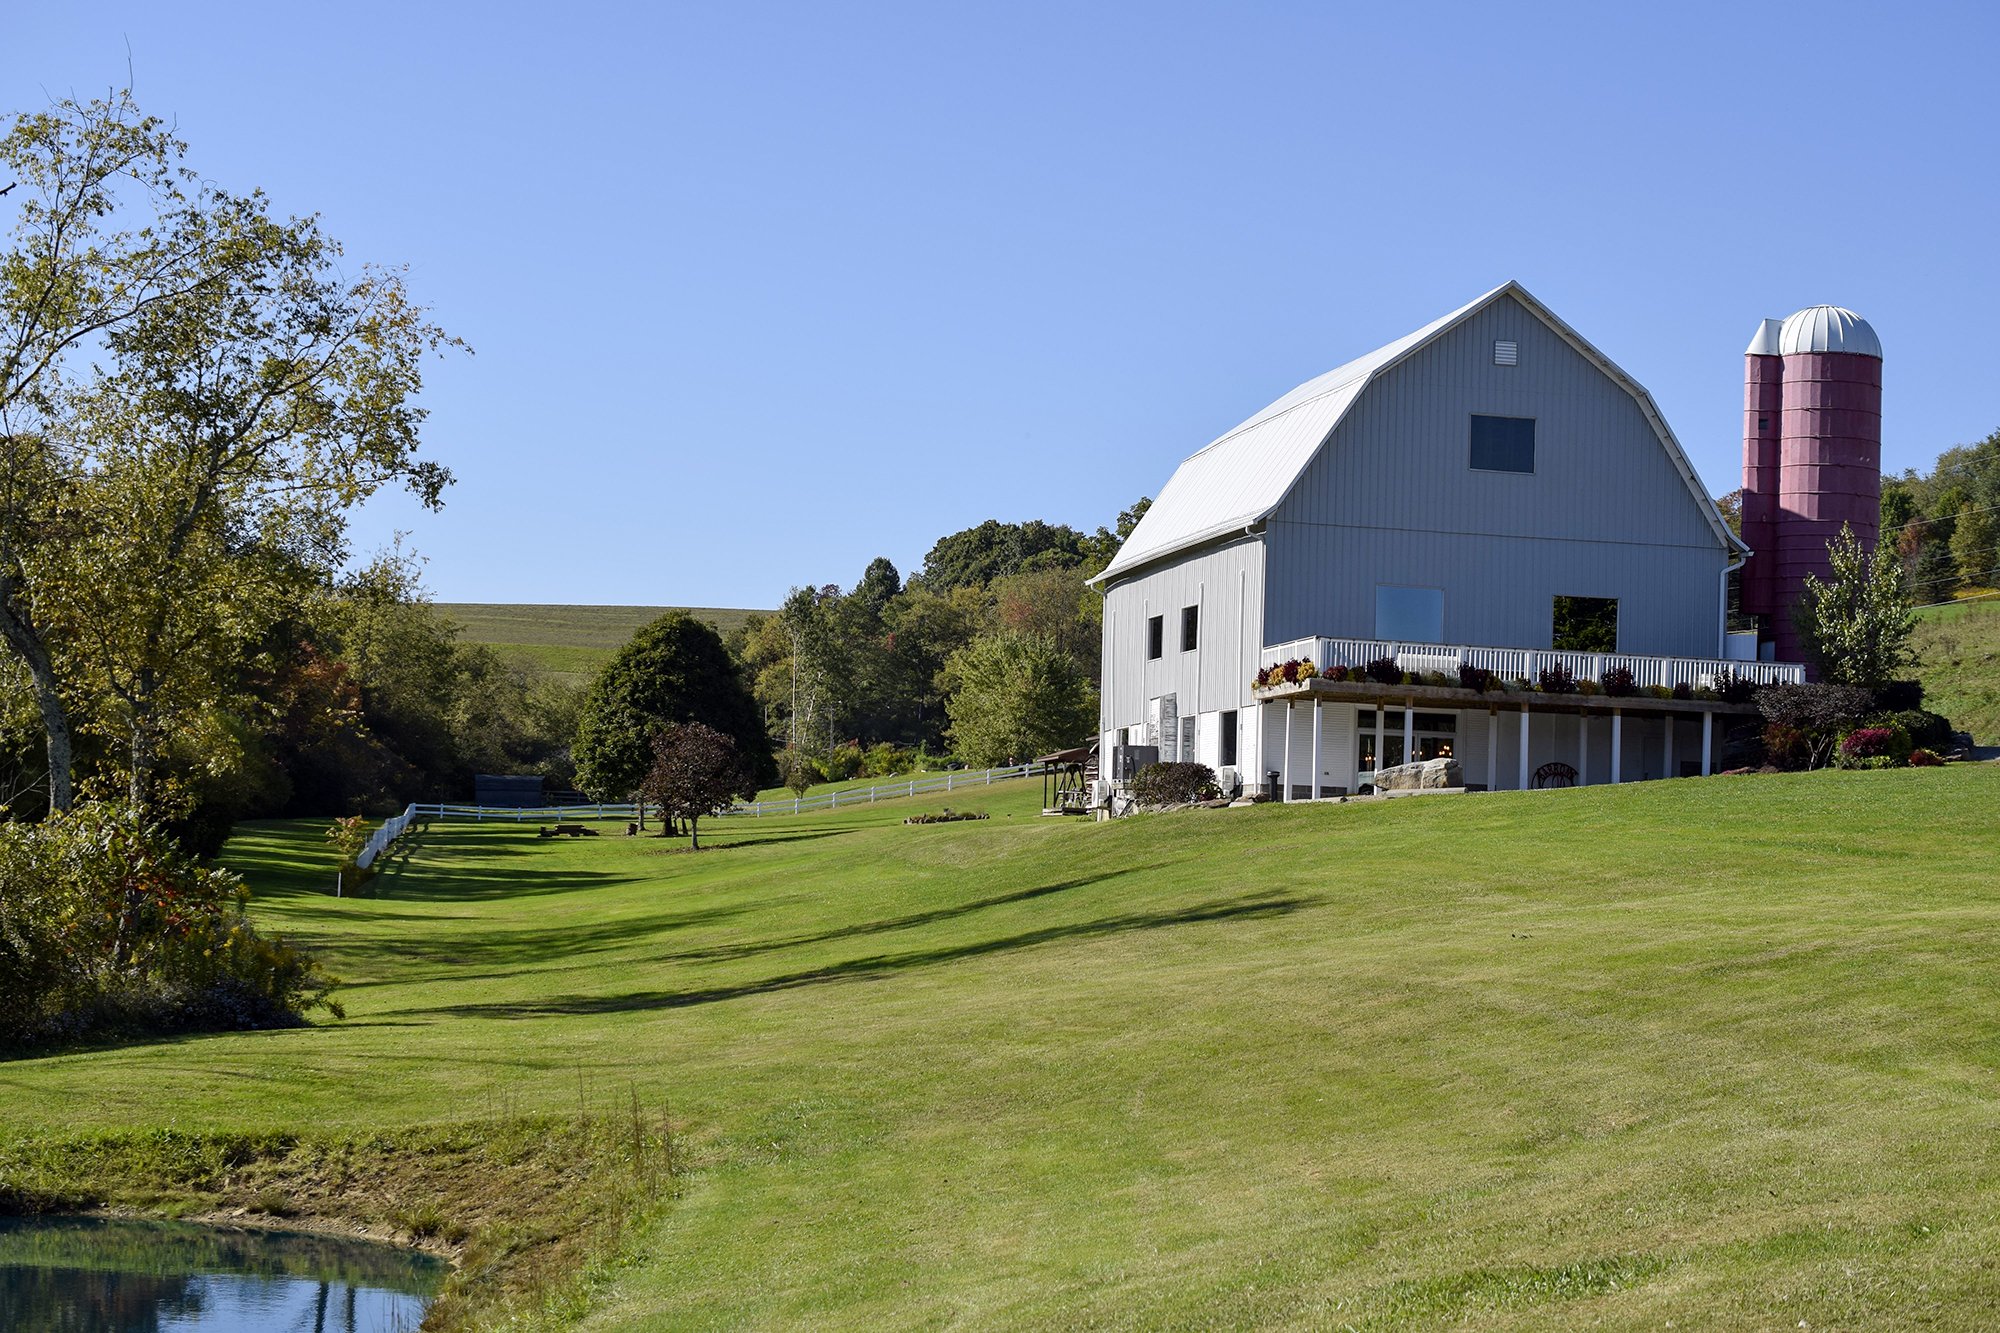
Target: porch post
(1381, 713)
(1670, 745)
(1707, 743)
(1285, 768)
(1410, 731)
(1492, 748)
(1319, 728)
(1617, 744)
(1524, 747)
(1583, 749)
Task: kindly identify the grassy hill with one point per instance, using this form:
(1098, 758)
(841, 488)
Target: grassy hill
(1718, 1052)
(571, 642)
(1958, 659)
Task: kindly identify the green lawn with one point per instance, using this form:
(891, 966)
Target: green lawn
(1958, 657)
(1717, 1052)
(570, 642)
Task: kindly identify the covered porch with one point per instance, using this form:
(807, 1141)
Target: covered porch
(1323, 737)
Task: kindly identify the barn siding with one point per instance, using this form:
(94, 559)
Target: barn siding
(1392, 499)
(1227, 582)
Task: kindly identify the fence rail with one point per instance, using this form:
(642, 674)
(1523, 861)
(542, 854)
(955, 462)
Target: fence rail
(916, 785)
(378, 842)
(1694, 672)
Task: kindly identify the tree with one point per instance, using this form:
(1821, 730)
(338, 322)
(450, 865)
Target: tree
(696, 771)
(796, 771)
(674, 670)
(980, 555)
(1012, 696)
(189, 408)
(1972, 548)
(1057, 605)
(1857, 626)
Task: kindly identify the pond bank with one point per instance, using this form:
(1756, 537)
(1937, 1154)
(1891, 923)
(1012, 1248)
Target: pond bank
(525, 1210)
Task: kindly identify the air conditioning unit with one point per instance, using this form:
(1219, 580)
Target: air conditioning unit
(1230, 780)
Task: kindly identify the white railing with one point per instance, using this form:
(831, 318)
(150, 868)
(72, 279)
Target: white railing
(917, 785)
(1515, 663)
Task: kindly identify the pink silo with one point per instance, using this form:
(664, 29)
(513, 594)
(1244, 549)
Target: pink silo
(1828, 394)
(1763, 406)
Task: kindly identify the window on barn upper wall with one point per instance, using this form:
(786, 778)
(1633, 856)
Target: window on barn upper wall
(1409, 615)
(1585, 625)
(1190, 627)
(1503, 444)
(1155, 636)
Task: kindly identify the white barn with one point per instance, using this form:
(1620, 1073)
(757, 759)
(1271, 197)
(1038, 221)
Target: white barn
(1448, 500)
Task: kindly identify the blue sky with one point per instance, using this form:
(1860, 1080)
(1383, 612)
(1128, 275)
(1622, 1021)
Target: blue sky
(759, 292)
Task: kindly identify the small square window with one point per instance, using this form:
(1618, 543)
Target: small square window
(1155, 637)
(1763, 423)
(1190, 627)
(1503, 444)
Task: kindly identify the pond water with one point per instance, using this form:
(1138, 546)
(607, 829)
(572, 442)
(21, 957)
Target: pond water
(98, 1275)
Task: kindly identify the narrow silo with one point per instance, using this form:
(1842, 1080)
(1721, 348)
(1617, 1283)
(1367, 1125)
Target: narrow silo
(1763, 406)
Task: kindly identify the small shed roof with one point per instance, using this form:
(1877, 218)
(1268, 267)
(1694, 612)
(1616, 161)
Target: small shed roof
(1236, 480)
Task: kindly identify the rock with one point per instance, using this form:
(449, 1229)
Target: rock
(1429, 775)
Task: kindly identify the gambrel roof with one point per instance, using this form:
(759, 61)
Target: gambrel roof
(1237, 480)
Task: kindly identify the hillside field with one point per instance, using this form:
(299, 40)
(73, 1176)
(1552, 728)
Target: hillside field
(1958, 660)
(569, 642)
(1719, 1052)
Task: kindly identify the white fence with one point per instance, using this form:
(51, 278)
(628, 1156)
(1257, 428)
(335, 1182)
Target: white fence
(1510, 663)
(917, 785)
(379, 841)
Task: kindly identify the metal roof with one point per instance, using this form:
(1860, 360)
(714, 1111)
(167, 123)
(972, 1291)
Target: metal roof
(1828, 328)
(1234, 482)
(1765, 341)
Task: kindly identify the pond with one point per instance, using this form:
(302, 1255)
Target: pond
(101, 1275)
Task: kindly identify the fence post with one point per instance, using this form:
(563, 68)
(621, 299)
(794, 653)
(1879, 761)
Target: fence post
(947, 780)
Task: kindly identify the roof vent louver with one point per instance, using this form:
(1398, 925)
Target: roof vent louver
(1505, 353)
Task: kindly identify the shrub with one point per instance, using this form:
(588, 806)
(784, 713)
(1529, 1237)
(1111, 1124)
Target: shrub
(1557, 680)
(108, 929)
(1926, 730)
(1588, 686)
(1384, 671)
(946, 817)
(1866, 743)
(1336, 673)
(1683, 690)
(1900, 696)
(841, 763)
(1657, 692)
(1437, 678)
(1262, 680)
(1733, 687)
(1923, 758)
(1618, 683)
(1820, 707)
(1788, 747)
(1174, 784)
(1474, 678)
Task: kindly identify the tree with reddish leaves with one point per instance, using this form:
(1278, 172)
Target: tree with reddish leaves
(696, 771)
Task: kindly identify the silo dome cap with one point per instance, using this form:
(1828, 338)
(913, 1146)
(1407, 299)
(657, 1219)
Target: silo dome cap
(1828, 328)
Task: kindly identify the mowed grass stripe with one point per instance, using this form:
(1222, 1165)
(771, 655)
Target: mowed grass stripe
(1721, 1052)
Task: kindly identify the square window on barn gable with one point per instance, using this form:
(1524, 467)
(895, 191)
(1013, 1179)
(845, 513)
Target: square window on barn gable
(1503, 444)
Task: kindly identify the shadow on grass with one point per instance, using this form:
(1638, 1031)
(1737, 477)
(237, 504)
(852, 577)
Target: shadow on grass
(725, 952)
(879, 966)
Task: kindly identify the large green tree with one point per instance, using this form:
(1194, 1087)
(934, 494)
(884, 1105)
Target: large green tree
(674, 670)
(193, 395)
(1012, 696)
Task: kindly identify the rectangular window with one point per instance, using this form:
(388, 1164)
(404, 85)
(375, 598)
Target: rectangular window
(1190, 627)
(1585, 625)
(1229, 739)
(1155, 637)
(1503, 444)
(1409, 615)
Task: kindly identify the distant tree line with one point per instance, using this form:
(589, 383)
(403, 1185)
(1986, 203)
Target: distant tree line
(1944, 525)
